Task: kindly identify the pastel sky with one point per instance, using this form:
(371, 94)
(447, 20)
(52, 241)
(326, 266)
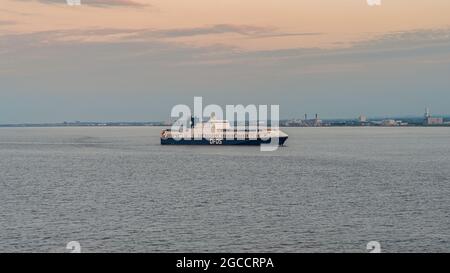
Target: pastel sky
(111, 60)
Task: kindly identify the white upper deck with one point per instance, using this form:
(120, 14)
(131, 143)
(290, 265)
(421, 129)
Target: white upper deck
(222, 129)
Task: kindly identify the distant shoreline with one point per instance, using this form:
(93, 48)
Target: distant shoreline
(406, 122)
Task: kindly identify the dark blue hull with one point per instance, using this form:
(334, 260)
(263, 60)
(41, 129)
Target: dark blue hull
(247, 142)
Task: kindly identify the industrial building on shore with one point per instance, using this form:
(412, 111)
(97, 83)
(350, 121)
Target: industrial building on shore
(362, 120)
(429, 120)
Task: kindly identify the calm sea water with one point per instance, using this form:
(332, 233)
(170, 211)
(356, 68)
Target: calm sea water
(329, 190)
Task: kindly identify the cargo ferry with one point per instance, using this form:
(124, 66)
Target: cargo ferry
(219, 132)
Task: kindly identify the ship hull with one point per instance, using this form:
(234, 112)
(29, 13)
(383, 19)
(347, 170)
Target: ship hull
(212, 142)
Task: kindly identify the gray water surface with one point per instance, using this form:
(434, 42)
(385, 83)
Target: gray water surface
(330, 190)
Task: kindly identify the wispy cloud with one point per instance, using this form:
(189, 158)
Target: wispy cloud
(280, 34)
(7, 22)
(145, 34)
(9, 11)
(245, 30)
(424, 46)
(215, 29)
(219, 29)
(97, 3)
